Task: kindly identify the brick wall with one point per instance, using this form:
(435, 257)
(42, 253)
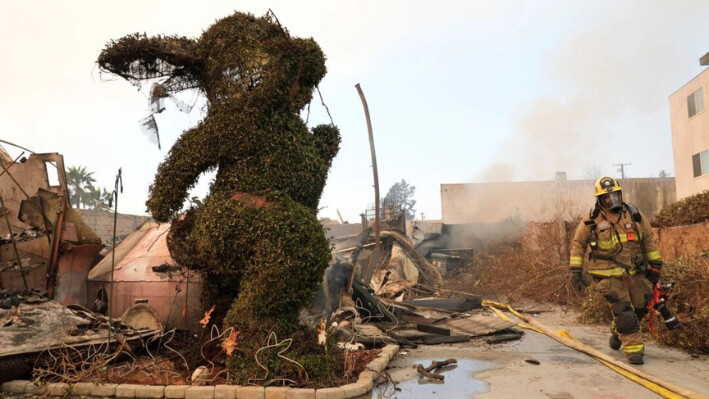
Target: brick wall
(101, 222)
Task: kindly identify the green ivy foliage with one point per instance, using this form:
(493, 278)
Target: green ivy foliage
(262, 253)
(294, 358)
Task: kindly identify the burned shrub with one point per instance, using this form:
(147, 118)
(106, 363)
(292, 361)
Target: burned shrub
(595, 309)
(256, 238)
(690, 210)
(687, 300)
(533, 267)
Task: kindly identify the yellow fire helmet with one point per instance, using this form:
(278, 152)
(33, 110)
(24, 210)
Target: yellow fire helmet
(606, 185)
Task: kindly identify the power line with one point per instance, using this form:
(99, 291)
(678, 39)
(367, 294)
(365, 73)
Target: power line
(621, 169)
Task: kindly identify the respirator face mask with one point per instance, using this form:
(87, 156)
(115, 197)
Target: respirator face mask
(612, 201)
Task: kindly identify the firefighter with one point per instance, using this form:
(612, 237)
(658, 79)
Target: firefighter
(624, 263)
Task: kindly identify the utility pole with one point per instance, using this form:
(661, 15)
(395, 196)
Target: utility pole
(374, 260)
(621, 168)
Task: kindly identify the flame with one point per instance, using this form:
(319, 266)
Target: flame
(230, 344)
(206, 318)
(322, 334)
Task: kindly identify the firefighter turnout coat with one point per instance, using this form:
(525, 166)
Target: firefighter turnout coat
(616, 241)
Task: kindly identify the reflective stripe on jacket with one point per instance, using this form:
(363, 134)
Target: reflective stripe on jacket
(617, 248)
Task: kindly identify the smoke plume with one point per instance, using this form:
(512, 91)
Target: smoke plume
(609, 83)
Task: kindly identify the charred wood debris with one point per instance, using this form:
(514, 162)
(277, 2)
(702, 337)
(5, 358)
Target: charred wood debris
(405, 301)
(372, 298)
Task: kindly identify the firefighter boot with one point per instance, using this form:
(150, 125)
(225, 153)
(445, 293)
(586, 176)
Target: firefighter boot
(614, 342)
(635, 358)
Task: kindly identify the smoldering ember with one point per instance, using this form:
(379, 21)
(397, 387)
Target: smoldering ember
(560, 288)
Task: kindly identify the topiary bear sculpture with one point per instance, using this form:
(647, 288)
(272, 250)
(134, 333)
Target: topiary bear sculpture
(256, 238)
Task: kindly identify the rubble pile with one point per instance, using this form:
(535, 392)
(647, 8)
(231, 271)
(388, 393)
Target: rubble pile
(44, 244)
(41, 329)
(10, 298)
(27, 234)
(404, 302)
(18, 237)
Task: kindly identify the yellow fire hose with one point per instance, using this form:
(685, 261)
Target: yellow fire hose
(660, 387)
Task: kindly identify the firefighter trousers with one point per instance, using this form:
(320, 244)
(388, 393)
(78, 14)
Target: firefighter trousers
(627, 296)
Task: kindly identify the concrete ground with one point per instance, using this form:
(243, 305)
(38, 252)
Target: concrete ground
(500, 371)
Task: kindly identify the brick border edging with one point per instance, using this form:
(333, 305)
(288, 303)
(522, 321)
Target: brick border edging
(364, 384)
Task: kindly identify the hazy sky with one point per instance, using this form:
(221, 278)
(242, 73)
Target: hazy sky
(458, 91)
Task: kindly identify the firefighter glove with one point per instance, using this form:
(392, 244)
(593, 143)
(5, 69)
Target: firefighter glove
(652, 272)
(578, 280)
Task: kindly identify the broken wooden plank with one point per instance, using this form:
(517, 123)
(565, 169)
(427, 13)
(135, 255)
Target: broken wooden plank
(442, 339)
(411, 335)
(413, 319)
(370, 302)
(499, 338)
(375, 342)
(418, 311)
(475, 325)
(433, 329)
(449, 304)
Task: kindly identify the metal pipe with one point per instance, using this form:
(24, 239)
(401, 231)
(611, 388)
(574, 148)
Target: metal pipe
(15, 145)
(52, 269)
(5, 211)
(119, 184)
(187, 294)
(374, 260)
(119, 180)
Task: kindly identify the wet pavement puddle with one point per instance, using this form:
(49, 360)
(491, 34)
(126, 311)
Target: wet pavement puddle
(459, 382)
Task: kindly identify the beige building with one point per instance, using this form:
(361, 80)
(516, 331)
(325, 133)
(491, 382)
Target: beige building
(544, 201)
(690, 134)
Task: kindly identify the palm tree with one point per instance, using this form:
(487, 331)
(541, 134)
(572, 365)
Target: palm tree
(93, 197)
(80, 183)
(106, 199)
(99, 199)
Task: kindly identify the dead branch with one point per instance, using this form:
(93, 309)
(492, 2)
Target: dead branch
(393, 383)
(421, 370)
(436, 365)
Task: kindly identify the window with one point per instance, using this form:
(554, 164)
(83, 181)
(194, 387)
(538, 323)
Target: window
(695, 103)
(700, 163)
(52, 173)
